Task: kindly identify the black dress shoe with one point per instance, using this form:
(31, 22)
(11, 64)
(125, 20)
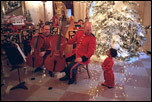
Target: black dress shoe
(106, 86)
(71, 81)
(103, 84)
(51, 74)
(38, 69)
(64, 78)
(109, 87)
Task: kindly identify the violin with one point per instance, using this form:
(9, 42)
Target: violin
(55, 61)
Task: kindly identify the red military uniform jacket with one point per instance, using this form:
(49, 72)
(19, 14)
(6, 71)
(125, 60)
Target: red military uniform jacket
(54, 24)
(107, 64)
(46, 41)
(108, 71)
(85, 45)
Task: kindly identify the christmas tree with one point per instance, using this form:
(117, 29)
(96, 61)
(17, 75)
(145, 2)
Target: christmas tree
(116, 24)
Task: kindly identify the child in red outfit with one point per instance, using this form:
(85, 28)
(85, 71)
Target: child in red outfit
(107, 68)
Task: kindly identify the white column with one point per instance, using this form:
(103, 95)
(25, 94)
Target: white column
(79, 10)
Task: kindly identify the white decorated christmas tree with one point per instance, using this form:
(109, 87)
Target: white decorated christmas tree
(116, 24)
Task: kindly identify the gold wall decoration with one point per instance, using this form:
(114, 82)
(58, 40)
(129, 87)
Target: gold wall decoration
(10, 6)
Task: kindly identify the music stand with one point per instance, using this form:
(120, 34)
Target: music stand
(21, 84)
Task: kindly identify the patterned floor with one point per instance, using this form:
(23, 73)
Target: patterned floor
(132, 83)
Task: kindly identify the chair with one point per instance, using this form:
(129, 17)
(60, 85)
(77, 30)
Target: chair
(79, 70)
(71, 34)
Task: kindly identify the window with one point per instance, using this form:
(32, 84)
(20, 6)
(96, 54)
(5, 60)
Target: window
(68, 13)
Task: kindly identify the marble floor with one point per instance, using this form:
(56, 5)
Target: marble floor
(132, 83)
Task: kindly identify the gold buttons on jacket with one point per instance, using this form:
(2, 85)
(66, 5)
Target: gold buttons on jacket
(80, 42)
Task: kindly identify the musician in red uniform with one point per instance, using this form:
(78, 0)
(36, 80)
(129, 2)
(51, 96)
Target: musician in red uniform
(107, 68)
(45, 50)
(85, 47)
(79, 25)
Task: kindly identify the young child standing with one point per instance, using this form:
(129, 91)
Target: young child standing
(107, 68)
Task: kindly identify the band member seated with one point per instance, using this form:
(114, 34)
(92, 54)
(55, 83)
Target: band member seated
(85, 47)
(46, 47)
(79, 25)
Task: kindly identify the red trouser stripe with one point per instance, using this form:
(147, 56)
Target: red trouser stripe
(72, 69)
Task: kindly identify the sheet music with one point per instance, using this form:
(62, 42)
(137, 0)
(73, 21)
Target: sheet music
(21, 52)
